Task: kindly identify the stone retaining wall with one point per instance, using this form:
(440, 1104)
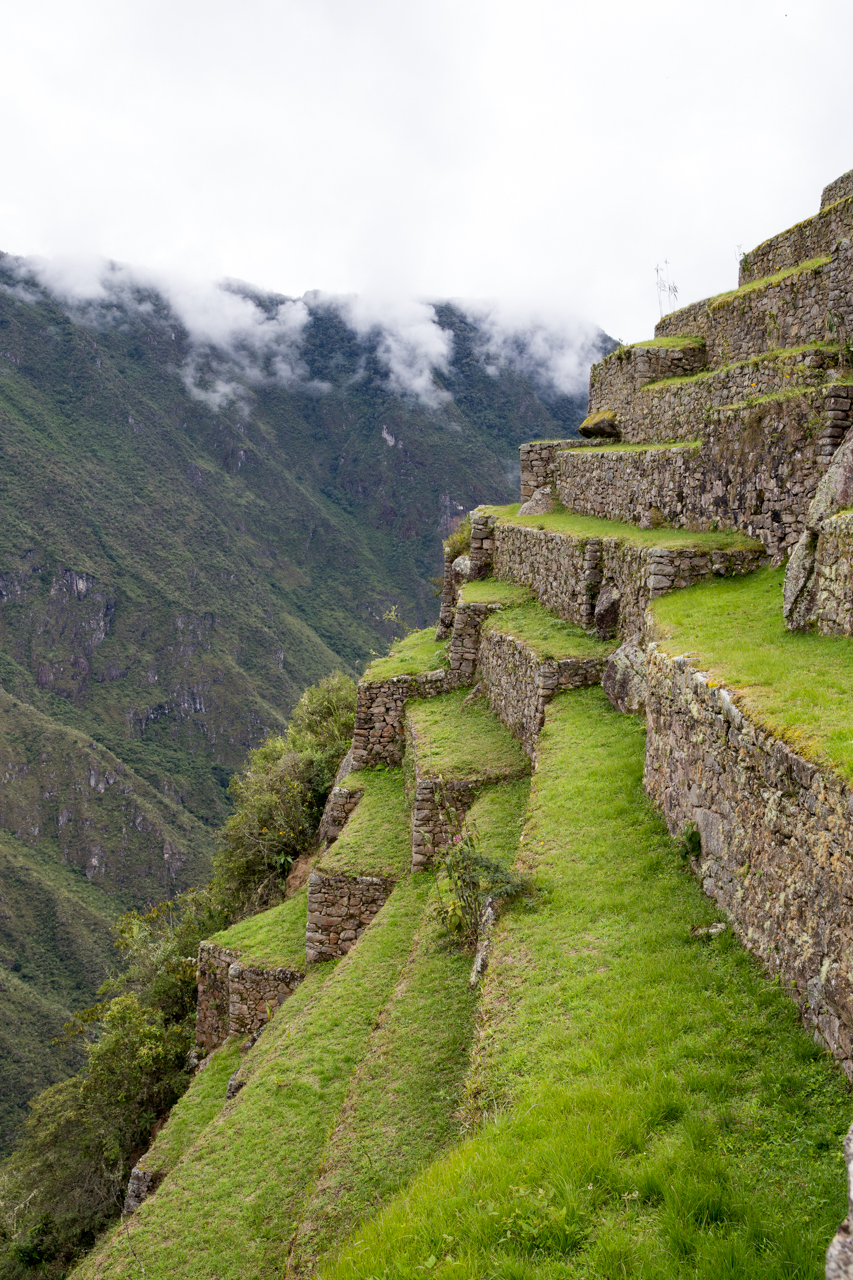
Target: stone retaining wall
(672, 411)
(339, 910)
(379, 735)
(615, 380)
(776, 836)
(465, 642)
(833, 609)
(737, 326)
(756, 471)
(537, 463)
(811, 238)
(431, 828)
(519, 685)
(340, 804)
(571, 576)
(234, 999)
(482, 544)
(449, 592)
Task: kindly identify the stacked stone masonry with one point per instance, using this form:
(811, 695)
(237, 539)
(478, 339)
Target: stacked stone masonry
(661, 412)
(756, 471)
(833, 611)
(569, 575)
(482, 543)
(439, 807)
(615, 380)
(339, 910)
(537, 463)
(813, 238)
(465, 642)
(340, 804)
(838, 189)
(379, 734)
(776, 838)
(236, 999)
(519, 685)
(790, 313)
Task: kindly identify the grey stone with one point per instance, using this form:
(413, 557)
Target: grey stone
(607, 611)
(142, 1184)
(624, 680)
(539, 504)
(235, 1084)
(798, 596)
(835, 491)
(462, 568)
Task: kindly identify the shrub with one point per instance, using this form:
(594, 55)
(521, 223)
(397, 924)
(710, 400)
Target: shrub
(459, 542)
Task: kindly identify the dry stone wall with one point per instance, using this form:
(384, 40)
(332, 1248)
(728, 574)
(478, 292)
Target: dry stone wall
(236, 999)
(615, 380)
(836, 190)
(537, 463)
(519, 685)
(339, 910)
(569, 575)
(812, 238)
(776, 837)
(790, 313)
(661, 413)
(465, 642)
(482, 544)
(379, 734)
(438, 809)
(756, 471)
(340, 804)
(833, 608)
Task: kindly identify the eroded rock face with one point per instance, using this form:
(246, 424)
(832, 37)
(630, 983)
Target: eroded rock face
(833, 494)
(624, 680)
(839, 1255)
(462, 568)
(541, 502)
(798, 597)
(835, 490)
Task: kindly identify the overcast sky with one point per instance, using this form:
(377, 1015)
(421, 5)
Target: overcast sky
(545, 153)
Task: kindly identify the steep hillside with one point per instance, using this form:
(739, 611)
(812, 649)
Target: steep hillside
(177, 564)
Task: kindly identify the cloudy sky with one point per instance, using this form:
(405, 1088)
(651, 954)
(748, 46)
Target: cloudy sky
(545, 153)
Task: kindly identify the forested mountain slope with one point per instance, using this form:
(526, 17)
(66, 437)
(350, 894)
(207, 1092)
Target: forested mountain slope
(176, 565)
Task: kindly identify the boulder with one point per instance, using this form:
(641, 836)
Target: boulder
(461, 568)
(835, 491)
(607, 611)
(624, 679)
(600, 426)
(539, 504)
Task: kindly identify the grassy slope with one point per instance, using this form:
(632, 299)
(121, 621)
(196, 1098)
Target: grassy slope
(797, 684)
(576, 526)
(414, 654)
(376, 840)
(259, 1158)
(458, 741)
(274, 939)
(650, 1106)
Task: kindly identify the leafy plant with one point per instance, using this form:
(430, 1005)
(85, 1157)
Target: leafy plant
(459, 541)
(474, 876)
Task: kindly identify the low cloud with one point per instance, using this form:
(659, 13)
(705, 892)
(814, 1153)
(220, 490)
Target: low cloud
(553, 349)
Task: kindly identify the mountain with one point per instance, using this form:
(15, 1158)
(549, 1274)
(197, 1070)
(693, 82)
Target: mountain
(193, 531)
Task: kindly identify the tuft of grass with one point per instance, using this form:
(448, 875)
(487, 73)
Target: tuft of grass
(640, 1103)
(766, 282)
(547, 635)
(797, 684)
(376, 840)
(576, 526)
(272, 939)
(414, 654)
(457, 741)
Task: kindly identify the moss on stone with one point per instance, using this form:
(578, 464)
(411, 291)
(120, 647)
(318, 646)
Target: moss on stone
(767, 282)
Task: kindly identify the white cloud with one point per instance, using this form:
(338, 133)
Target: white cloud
(554, 350)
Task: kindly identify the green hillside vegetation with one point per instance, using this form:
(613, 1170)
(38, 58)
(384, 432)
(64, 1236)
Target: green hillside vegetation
(799, 685)
(172, 576)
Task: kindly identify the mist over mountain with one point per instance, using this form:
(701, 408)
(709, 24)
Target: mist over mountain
(210, 497)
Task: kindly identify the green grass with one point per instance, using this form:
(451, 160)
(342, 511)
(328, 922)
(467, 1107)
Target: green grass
(231, 1207)
(192, 1113)
(678, 340)
(764, 357)
(273, 939)
(376, 840)
(799, 685)
(457, 742)
(641, 1103)
(733, 295)
(644, 448)
(415, 653)
(494, 591)
(575, 526)
(547, 635)
(497, 816)
(399, 1111)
